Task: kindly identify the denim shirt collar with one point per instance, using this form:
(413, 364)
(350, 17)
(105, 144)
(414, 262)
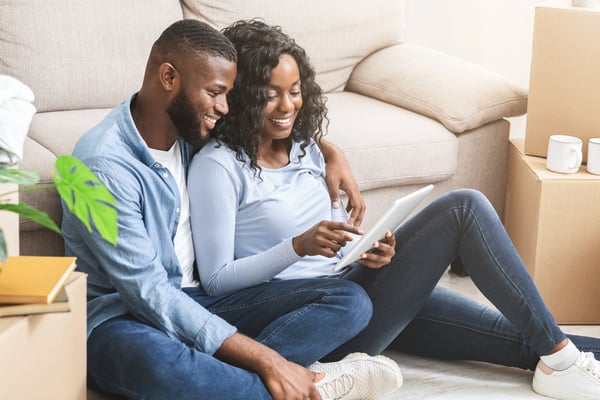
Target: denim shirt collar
(138, 145)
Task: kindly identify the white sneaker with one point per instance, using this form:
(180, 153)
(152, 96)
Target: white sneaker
(581, 381)
(358, 377)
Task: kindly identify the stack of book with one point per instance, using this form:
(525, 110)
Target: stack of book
(34, 285)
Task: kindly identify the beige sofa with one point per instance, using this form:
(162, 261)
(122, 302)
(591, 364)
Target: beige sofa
(406, 116)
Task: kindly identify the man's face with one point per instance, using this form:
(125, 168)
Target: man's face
(202, 98)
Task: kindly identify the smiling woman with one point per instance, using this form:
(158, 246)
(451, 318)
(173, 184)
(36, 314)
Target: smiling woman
(267, 99)
(275, 224)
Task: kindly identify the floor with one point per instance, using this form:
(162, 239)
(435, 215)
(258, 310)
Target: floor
(462, 380)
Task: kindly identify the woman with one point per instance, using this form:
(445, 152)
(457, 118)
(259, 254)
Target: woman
(262, 191)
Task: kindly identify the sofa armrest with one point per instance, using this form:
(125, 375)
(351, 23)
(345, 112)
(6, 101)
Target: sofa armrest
(458, 94)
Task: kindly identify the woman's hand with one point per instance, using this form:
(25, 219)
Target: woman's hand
(339, 177)
(381, 253)
(325, 238)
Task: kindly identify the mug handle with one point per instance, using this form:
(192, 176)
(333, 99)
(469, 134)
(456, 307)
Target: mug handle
(578, 159)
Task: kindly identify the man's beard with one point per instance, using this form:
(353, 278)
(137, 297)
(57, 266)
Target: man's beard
(186, 120)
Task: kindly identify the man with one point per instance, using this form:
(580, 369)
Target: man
(152, 331)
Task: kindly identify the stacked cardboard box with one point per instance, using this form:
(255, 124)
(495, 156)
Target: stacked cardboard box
(554, 219)
(564, 82)
(43, 356)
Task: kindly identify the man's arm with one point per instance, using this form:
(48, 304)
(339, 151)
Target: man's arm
(283, 379)
(134, 268)
(339, 176)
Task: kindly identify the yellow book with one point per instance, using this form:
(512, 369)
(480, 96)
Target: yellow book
(33, 279)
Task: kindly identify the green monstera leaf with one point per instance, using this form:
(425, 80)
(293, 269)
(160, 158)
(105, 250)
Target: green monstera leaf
(11, 175)
(3, 255)
(31, 213)
(81, 190)
(18, 177)
(86, 197)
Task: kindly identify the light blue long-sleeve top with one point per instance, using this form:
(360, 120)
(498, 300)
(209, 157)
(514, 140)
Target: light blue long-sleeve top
(243, 224)
(141, 275)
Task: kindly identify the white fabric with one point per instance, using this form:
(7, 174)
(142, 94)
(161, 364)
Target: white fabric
(16, 112)
(562, 359)
(184, 248)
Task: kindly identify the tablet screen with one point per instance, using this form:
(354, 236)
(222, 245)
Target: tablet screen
(389, 221)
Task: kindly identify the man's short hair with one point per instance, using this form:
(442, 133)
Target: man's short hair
(193, 38)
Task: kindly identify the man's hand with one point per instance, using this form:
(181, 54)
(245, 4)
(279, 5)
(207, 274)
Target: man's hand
(283, 379)
(339, 177)
(381, 253)
(288, 380)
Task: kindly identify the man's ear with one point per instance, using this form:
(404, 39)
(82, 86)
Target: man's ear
(169, 77)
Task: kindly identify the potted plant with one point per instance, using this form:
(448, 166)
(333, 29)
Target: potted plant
(79, 188)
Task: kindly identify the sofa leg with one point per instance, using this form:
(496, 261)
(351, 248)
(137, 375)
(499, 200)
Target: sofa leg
(457, 267)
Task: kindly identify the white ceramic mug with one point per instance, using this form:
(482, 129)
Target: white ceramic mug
(593, 156)
(564, 154)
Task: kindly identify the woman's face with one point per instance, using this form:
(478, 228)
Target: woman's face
(284, 99)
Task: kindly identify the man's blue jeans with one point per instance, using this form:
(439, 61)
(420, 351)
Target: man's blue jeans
(303, 320)
(413, 315)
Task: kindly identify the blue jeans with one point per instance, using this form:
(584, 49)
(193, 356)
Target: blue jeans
(411, 314)
(303, 320)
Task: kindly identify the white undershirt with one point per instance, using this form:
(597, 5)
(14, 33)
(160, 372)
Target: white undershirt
(184, 248)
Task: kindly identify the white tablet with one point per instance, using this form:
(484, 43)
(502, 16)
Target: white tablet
(390, 221)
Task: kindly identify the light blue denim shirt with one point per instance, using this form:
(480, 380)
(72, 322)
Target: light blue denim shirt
(141, 275)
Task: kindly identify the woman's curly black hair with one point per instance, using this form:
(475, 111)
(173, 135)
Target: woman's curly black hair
(259, 47)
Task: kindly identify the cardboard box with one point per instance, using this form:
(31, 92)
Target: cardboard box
(554, 221)
(43, 356)
(564, 83)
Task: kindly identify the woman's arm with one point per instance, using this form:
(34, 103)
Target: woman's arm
(214, 199)
(339, 176)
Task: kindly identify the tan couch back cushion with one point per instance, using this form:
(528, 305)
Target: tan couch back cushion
(337, 34)
(77, 54)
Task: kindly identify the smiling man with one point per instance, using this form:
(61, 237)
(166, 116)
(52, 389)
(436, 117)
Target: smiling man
(152, 331)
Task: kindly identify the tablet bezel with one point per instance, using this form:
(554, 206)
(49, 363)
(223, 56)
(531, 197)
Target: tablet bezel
(391, 220)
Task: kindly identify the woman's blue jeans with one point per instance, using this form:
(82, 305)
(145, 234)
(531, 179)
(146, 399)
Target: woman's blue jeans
(303, 320)
(412, 315)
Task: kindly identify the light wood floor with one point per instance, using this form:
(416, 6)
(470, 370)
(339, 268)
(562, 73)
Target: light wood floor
(461, 380)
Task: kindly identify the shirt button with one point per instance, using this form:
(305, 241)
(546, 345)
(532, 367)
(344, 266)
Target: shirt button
(177, 210)
(165, 175)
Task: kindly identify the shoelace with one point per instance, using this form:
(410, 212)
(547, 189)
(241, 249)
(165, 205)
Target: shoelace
(338, 387)
(589, 362)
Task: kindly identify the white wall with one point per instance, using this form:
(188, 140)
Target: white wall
(496, 34)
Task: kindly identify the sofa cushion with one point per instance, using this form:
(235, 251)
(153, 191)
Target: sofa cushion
(41, 149)
(336, 34)
(78, 54)
(388, 145)
(459, 94)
